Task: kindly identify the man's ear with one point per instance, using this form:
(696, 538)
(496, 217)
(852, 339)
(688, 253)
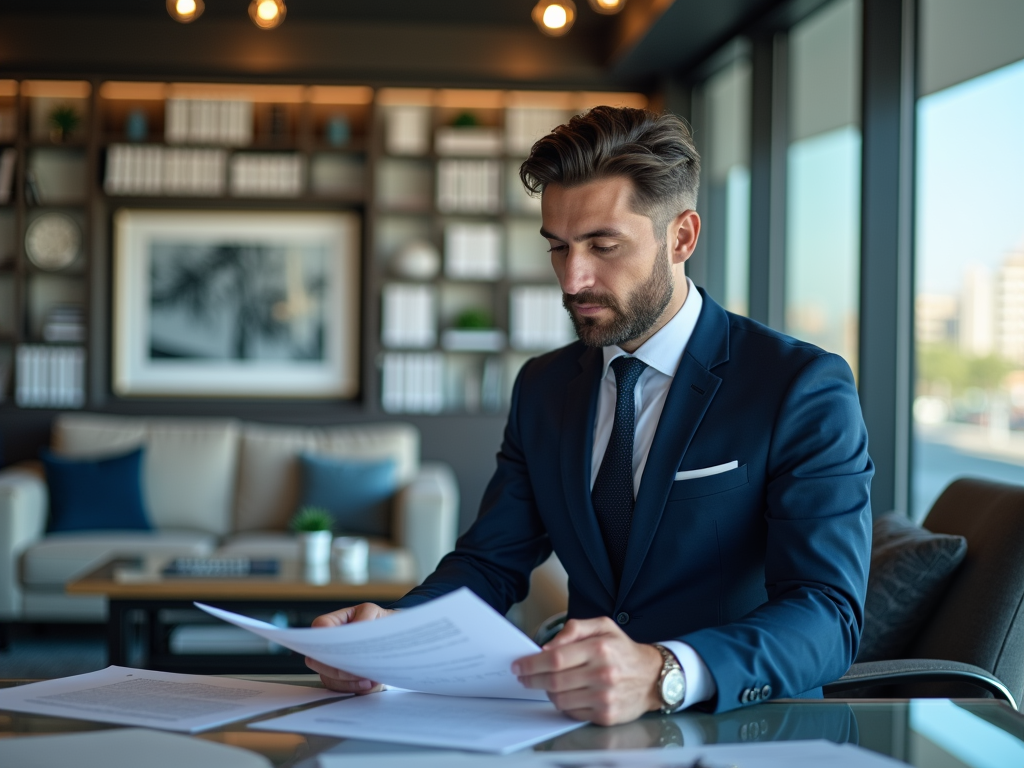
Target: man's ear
(683, 232)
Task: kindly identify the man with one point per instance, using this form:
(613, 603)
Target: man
(703, 479)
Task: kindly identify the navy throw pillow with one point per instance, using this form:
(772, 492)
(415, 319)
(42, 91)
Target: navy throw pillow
(96, 494)
(357, 493)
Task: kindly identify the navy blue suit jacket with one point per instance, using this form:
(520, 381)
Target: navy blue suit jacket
(761, 569)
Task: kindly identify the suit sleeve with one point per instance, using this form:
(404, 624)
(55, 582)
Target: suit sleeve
(818, 515)
(496, 556)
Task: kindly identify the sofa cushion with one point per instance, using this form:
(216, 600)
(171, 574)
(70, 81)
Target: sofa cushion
(358, 494)
(96, 494)
(189, 469)
(910, 568)
(62, 556)
(269, 481)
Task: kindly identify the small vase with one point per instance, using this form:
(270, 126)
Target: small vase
(315, 547)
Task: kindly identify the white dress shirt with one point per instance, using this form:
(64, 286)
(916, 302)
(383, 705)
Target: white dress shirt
(662, 353)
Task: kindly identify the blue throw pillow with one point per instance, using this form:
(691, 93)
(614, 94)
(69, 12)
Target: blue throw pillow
(96, 494)
(357, 493)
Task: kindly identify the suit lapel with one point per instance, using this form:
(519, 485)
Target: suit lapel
(577, 445)
(689, 396)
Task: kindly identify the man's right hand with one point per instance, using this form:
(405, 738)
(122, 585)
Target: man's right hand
(337, 679)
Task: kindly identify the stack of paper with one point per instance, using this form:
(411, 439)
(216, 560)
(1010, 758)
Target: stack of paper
(468, 186)
(468, 141)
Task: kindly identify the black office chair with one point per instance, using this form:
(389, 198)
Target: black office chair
(974, 638)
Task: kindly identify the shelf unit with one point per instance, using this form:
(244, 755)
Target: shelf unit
(343, 139)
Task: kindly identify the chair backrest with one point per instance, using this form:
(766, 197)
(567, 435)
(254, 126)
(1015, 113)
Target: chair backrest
(980, 619)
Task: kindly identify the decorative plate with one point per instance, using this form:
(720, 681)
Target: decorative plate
(53, 241)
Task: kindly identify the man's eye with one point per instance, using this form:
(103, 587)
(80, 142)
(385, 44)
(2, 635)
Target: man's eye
(604, 248)
(556, 248)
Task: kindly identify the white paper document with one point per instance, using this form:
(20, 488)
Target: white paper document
(163, 700)
(405, 717)
(456, 645)
(774, 754)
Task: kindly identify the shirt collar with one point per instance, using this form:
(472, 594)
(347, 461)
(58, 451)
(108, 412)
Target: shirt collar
(664, 350)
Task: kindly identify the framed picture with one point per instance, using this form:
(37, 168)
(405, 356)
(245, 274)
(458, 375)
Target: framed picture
(236, 304)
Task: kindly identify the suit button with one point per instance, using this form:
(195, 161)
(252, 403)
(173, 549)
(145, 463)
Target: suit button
(766, 692)
(745, 696)
(622, 618)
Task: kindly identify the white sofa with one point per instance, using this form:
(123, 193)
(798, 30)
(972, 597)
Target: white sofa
(210, 486)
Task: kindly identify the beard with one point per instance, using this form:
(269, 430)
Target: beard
(643, 307)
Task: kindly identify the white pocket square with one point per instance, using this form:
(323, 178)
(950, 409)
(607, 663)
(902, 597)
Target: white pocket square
(693, 474)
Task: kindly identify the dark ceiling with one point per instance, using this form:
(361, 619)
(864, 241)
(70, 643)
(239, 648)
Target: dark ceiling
(649, 39)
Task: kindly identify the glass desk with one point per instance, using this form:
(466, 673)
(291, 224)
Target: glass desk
(927, 733)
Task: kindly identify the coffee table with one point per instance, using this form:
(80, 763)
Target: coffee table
(145, 606)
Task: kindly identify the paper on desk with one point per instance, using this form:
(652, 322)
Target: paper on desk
(775, 754)
(163, 700)
(405, 717)
(456, 645)
(123, 748)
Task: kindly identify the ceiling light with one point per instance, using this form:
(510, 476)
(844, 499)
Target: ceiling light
(554, 17)
(267, 14)
(185, 10)
(607, 7)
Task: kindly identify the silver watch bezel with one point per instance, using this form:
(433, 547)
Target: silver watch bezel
(669, 665)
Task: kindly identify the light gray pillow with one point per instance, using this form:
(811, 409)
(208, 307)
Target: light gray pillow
(910, 568)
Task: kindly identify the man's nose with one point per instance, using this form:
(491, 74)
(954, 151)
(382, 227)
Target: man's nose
(578, 274)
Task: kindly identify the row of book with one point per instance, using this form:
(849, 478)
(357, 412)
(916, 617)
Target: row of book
(472, 251)
(154, 170)
(412, 382)
(468, 186)
(206, 121)
(50, 377)
(537, 319)
(267, 174)
(408, 316)
(407, 131)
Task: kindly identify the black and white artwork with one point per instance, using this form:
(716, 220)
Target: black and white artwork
(236, 304)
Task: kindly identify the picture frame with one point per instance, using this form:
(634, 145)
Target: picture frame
(236, 304)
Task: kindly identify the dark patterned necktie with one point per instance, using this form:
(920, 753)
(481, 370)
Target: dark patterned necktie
(613, 490)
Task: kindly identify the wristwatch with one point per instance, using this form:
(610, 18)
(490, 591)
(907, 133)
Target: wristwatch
(671, 682)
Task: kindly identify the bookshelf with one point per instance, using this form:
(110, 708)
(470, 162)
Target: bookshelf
(457, 291)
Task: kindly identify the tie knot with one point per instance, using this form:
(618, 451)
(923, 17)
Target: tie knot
(627, 371)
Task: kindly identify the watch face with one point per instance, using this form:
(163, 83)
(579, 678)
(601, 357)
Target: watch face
(52, 241)
(673, 687)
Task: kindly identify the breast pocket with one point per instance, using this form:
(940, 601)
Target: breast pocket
(707, 486)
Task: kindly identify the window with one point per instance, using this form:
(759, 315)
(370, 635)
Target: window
(823, 180)
(969, 252)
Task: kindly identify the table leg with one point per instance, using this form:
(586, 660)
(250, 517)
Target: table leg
(116, 630)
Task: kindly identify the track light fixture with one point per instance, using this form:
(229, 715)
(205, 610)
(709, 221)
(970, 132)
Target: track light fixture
(554, 17)
(607, 7)
(185, 11)
(267, 14)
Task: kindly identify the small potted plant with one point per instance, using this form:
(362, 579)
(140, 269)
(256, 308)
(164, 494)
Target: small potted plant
(313, 526)
(63, 122)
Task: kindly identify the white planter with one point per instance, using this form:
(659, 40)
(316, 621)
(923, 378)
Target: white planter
(315, 547)
(352, 557)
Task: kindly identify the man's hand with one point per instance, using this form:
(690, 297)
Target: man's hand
(593, 671)
(336, 679)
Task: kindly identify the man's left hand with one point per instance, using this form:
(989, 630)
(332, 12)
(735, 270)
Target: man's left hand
(593, 671)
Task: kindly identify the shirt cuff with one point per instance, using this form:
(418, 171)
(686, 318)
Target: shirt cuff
(700, 685)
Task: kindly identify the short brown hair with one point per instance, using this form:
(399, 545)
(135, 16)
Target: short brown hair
(654, 151)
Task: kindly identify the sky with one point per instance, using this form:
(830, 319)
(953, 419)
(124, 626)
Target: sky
(970, 177)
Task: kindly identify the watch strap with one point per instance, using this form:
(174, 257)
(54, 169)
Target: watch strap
(669, 662)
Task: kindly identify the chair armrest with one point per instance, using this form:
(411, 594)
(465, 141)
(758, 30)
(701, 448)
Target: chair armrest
(23, 505)
(920, 671)
(426, 516)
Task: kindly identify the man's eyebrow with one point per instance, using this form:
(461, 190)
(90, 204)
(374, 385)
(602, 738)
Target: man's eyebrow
(586, 236)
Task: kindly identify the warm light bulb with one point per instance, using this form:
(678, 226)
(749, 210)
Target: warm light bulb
(607, 7)
(554, 17)
(267, 14)
(185, 10)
